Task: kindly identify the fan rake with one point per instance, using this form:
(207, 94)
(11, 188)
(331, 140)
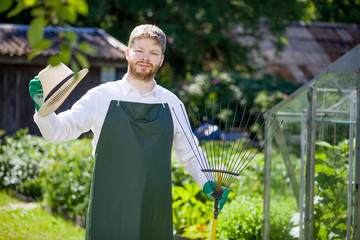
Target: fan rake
(222, 163)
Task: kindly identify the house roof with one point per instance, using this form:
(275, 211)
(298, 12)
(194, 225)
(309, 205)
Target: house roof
(310, 49)
(13, 42)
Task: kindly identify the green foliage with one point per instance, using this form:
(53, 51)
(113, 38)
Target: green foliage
(331, 183)
(33, 224)
(242, 219)
(67, 178)
(250, 181)
(58, 172)
(5, 5)
(331, 167)
(265, 100)
(64, 177)
(31, 187)
(335, 11)
(193, 211)
(55, 13)
(204, 93)
(179, 175)
(5, 198)
(190, 211)
(280, 220)
(235, 93)
(202, 35)
(20, 157)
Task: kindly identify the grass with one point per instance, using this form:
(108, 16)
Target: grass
(36, 223)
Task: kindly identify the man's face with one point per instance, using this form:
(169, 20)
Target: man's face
(144, 58)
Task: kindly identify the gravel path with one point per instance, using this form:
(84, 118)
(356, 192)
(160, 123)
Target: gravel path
(23, 205)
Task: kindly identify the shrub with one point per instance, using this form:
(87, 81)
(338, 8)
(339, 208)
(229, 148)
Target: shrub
(242, 219)
(191, 211)
(209, 90)
(59, 172)
(20, 157)
(67, 178)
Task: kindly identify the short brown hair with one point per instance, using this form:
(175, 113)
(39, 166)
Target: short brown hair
(148, 31)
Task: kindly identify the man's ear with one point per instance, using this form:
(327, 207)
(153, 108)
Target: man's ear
(127, 53)
(162, 60)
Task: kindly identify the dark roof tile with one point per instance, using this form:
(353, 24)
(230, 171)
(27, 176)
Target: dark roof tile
(13, 41)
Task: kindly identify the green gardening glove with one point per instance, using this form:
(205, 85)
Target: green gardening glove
(36, 92)
(210, 187)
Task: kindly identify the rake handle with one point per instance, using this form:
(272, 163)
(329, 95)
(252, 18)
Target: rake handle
(217, 195)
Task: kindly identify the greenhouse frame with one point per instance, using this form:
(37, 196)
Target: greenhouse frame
(312, 160)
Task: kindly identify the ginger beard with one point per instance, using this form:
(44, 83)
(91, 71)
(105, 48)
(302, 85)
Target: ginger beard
(140, 74)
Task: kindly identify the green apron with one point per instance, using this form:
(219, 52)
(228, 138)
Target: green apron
(130, 195)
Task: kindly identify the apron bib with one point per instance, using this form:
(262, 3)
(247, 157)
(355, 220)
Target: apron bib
(130, 194)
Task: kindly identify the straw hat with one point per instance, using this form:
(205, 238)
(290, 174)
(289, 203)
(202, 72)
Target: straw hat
(57, 82)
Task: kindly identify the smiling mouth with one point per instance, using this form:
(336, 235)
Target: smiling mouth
(144, 65)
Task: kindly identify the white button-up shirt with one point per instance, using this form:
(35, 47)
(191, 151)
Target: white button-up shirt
(90, 111)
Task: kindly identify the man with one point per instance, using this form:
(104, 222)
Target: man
(134, 131)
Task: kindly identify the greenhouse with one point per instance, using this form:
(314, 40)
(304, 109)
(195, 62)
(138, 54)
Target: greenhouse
(312, 163)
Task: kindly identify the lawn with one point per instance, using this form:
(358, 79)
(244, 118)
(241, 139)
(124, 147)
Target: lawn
(31, 221)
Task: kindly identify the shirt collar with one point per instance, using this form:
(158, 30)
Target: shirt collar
(127, 88)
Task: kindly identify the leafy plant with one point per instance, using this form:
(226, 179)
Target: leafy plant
(331, 167)
(179, 175)
(59, 172)
(20, 158)
(242, 219)
(209, 90)
(64, 171)
(55, 13)
(331, 183)
(67, 178)
(191, 212)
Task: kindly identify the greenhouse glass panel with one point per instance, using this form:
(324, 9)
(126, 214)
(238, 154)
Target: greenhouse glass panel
(312, 168)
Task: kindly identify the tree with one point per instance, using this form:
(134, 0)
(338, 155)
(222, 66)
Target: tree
(344, 11)
(202, 35)
(55, 13)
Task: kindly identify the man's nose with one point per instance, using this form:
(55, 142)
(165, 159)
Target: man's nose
(145, 55)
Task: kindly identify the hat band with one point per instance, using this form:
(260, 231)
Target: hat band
(58, 86)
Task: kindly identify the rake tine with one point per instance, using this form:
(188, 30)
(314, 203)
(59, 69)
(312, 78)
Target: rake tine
(278, 127)
(203, 161)
(237, 132)
(213, 126)
(187, 138)
(260, 148)
(210, 149)
(245, 157)
(243, 151)
(206, 163)
(224, 142)
(232, 127)
(232, 156)
(219, 141)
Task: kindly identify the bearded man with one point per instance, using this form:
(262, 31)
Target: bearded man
(134, 131)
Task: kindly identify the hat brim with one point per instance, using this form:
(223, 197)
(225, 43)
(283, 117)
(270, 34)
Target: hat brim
(55, 101)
